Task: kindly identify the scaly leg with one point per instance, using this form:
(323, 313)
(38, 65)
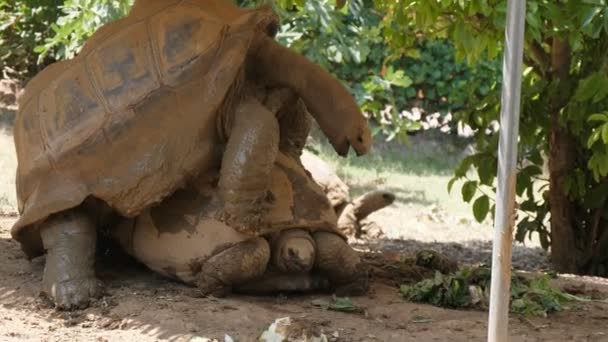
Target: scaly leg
(234, 266)
(69, 275)
(340, 263)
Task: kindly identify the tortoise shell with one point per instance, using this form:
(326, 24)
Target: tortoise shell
(135, 115)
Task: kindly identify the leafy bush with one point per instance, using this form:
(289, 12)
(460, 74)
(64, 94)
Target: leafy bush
(34, 33)
(23, 26)
(79, 20)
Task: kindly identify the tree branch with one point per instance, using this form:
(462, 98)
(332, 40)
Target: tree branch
(538, 58)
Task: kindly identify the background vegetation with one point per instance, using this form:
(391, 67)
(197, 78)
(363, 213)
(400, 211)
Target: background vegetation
(442, 57)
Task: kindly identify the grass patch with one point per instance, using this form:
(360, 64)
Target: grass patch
(417, 173)
(426, 155)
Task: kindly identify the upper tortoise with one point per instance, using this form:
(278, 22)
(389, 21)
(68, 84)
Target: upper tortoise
(153, 100)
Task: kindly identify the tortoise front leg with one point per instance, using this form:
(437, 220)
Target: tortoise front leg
(69, 276)
(234, 266)
(250, 154)
(340, 263)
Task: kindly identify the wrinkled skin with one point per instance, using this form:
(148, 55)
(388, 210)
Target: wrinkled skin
(250, 134)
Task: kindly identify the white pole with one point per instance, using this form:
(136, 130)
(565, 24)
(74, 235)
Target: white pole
(498, 320)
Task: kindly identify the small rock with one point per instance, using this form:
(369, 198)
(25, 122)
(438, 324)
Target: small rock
(297, 330)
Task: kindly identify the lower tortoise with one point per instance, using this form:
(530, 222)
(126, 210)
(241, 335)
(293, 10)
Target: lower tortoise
(303, 251)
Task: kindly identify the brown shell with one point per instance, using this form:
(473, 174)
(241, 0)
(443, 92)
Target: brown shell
(135, 115)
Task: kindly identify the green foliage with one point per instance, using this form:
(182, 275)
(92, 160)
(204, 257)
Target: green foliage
(23, 26)
(35, 33)
(470, 288)
(79, 20)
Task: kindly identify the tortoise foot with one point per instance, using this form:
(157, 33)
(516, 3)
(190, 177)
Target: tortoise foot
(233, 266)
(72, 294)
(69, 275)
(342, 265)
(357, 286)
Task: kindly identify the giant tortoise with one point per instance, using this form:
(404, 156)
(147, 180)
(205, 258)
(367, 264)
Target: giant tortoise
(152, 101)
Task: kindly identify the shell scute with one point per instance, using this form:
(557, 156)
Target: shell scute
(183, 37)
(70, 111)
(124, 67)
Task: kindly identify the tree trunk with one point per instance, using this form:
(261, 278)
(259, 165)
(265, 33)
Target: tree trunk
(561, 162)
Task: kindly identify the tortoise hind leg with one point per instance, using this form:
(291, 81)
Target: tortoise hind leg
(340, 263)
(234, 266)
(69, 275)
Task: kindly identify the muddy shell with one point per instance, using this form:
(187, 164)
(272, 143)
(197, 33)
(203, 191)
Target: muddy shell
(135, 115)
(175, 237)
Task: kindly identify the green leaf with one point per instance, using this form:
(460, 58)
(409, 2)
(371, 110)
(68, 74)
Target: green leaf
(605, 133)
(588, 87)
(486, 170)
(595, 136)
(523, 182)
(481, 206)
(345, 305)
(451, 184)
(468, 190)
(601, 117)
(464, 166)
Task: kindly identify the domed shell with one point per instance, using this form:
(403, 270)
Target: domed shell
(135, 114)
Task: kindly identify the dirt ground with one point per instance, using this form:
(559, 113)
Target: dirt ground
(141, 306)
